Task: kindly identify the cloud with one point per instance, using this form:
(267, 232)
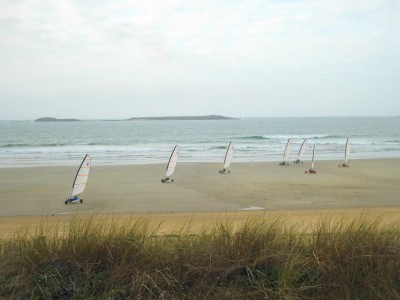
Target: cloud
(238, 47)
(265, 32)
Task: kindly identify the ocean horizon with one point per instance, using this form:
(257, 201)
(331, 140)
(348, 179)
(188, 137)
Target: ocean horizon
(112, 142)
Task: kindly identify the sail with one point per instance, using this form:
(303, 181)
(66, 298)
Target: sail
(313, 156)
(81, 177)
(228, 156)
(302, 149)
(172, 162)
(347, 151)
(287, 150)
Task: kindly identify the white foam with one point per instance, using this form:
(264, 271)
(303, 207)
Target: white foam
(252, 208)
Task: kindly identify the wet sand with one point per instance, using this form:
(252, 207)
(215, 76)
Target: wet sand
(372, 186)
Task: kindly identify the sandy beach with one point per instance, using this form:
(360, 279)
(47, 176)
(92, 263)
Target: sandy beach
(371, 186)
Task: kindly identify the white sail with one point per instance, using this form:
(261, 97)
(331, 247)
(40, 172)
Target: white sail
(228, 156)
(287, 150)
(313, 156)
(81, 177)
(347, 151)
(172, 162)
(302, 149)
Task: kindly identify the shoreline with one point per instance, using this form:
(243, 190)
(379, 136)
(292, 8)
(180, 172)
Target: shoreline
(76, 162)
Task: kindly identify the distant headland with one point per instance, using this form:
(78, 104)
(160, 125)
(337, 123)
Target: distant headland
(180, 118)
(183, 118)
(49, 119)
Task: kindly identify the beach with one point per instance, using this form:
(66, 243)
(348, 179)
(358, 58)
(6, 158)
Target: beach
(369, 186)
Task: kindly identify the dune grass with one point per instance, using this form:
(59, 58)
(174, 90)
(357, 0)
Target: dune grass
(257, 259)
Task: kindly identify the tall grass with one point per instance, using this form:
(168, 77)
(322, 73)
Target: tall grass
(258, 259)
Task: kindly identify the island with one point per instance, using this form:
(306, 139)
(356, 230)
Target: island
(182, 118)
(50, 119)
(179, 118)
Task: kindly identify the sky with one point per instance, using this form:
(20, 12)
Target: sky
(252, 58)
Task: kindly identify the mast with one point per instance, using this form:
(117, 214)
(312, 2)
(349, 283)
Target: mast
(81, 176)
(347, 151)
(313, 155)
(287, 150)
(302, 149)
(228, 156)
(172, 162)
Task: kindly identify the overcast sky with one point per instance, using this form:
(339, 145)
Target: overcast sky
(93, 59)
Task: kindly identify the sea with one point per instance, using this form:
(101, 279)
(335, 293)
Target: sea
(29, 143)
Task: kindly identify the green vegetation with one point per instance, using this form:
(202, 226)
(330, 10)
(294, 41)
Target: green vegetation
(259, 259)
